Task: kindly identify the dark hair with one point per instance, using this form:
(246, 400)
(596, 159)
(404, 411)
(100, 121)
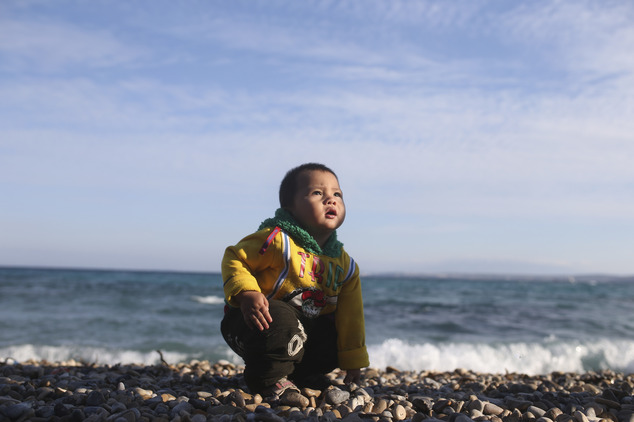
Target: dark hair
(288, 187)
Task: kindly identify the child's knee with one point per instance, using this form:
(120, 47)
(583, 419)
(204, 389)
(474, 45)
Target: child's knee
(283, 340)
(286, 334)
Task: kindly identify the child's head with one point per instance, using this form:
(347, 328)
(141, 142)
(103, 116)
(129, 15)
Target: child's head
(311, 193)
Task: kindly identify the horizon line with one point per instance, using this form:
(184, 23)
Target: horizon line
(572, 277)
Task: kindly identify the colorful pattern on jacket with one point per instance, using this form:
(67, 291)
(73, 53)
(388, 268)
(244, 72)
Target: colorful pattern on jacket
(271, 262)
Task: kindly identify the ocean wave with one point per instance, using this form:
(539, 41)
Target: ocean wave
(209, 300)
(109, 356)
(97, 355)
(526, 358)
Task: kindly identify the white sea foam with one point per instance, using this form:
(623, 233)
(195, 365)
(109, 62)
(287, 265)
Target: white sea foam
(97, 355)
(209, 300)
(524, 358)
(527, 358)
(103, 356)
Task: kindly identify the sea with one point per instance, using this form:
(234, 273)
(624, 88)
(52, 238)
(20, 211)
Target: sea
(495, 324)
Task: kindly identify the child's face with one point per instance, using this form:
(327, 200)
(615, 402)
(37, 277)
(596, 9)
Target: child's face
(318, 204)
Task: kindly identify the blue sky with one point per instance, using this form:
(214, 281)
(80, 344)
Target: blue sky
(468, 136)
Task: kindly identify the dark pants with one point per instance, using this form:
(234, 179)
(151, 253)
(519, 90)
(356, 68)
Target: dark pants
(293, 345)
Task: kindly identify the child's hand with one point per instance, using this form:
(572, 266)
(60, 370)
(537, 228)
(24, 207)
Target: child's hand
(255, 309)
(352, 375)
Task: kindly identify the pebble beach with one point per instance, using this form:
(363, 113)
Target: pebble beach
(205, 391)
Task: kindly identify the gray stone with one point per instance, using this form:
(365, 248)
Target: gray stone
(96, 410)
(440, 405)
(130, 415)
(117, 407)
(475, 413)
(62, 410)
(294, 398)
(626, 416)
(236, 398)
(153, 401)
(15, 411)
(607, 402)
(491, 409)
(95, 398)
(181, 409)
(268, 417)
(552, 413)
(423, 404)
(200, 404)
(459, 417)
(419, 417)
(44, 392)
(537, 411)
(386, 414)
(329, 416)
(77, 415)
(352, 417)
(580, 417)
(336, 396)
(45, 412)
(226, 409)
(476, 405)
(514, 403)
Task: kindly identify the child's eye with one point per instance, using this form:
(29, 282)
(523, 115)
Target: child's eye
(317, 192)
(338, 194)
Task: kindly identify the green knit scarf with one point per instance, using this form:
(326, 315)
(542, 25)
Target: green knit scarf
(285, 220)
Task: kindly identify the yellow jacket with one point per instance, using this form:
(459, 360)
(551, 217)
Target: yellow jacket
(271, 262)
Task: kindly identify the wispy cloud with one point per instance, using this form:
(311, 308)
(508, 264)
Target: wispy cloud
(37, 46)
(584, 36)
(451, 118)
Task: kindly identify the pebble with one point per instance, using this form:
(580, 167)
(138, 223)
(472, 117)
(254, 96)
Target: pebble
(399, 413)
(492, 409)
(294, 398)
(203, 391)
(538, 412)
(336, 396)
(379, 406)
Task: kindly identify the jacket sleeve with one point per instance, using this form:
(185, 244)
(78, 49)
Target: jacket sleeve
(350, 324)
(241, 264)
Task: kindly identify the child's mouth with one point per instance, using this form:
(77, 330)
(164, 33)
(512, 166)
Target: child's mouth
(331, 213)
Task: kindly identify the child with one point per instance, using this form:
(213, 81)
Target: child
(295, 308)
